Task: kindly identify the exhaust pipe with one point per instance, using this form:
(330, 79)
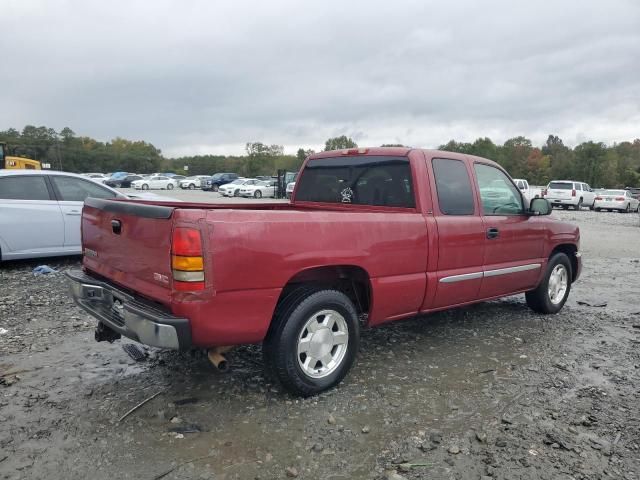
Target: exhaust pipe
(217, 358)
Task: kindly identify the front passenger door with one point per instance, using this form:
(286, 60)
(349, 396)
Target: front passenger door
(513, 241)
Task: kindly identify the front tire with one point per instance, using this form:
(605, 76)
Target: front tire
(257, 194)
(552, 292)
(215, 188)
(313, 340)
(145, 187)
(192, 186)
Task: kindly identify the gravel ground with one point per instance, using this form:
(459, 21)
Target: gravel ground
(489, 391)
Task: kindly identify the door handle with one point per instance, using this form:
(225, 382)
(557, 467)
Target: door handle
(492, 233)
(74, 212)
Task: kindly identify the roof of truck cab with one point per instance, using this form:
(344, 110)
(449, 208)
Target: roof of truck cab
(402, 152)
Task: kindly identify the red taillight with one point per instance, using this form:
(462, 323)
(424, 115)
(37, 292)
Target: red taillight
(573, 193)
(187, 263)
(598, 198)
(619, 199)
(187, 286)
(186, 242)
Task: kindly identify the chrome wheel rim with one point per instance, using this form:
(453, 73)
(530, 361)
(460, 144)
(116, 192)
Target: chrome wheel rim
(558, 282)
(322, 343)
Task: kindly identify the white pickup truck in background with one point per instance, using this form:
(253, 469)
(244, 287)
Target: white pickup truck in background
(528, 191)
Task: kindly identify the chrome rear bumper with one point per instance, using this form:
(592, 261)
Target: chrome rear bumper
(123, 313)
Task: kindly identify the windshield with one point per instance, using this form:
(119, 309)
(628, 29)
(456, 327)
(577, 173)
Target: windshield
(561, 186)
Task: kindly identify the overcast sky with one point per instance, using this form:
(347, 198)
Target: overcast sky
(208, 76)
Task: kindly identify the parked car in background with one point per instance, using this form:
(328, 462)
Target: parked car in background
(40, 211)
(260, 189)
(233, 189)
(97, 177)
(290, 187)
(158, 182)
(635, 192)
(620, 200)
(215, 181)
(371, 236)
(124, 182)
(569, 193)
(193, 182)
(527, 190)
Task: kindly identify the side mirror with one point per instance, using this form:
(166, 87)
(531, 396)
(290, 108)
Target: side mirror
(540, 206)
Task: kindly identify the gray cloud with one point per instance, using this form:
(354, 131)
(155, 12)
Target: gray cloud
(202, 76)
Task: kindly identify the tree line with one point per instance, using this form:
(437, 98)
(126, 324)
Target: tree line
(596, 163)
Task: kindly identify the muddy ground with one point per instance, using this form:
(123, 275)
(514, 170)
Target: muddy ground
(490, 391)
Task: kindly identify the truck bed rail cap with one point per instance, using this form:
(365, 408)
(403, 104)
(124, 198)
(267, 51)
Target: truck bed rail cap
(130, 208)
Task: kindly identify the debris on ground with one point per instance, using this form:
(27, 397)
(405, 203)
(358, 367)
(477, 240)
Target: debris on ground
(43, 270)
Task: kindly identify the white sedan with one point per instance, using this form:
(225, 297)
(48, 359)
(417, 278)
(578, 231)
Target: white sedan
(233, 189)
(193, 182)
(158, 182)
(259, 189)
(40, 211)
(620, 200)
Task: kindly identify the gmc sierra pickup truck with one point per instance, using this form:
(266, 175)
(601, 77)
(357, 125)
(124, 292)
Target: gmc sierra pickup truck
(370, 236)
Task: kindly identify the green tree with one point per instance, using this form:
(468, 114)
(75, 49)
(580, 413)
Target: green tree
(591, 159)
(339, 143)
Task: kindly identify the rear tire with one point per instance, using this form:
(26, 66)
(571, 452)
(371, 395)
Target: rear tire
(313, 340)
(579, 205)
(628, 209)
(170, 186)
(215, 188)
(552, 292)
(598, 209)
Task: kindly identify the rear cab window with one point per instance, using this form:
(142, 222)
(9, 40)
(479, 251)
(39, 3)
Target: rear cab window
(360, 180)
(560, 186)
(27, 187)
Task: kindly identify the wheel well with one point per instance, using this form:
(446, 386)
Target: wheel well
(570, 251)
(351, 280)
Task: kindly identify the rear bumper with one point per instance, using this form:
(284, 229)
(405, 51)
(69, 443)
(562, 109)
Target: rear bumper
(610, 205)
(563, 201)
(127, 315)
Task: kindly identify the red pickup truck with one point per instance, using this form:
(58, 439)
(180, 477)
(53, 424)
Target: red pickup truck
(370, 236)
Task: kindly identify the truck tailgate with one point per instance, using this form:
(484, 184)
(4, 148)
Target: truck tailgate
(129, 243)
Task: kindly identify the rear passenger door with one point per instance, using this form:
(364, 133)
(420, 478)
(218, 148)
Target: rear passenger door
(71, 193)
(513, 240)
(460, 234)
(30, 218)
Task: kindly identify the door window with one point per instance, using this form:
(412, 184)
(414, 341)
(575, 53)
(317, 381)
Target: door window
(76, 190)
(498, 193)
(453, 186)
(32, 187)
